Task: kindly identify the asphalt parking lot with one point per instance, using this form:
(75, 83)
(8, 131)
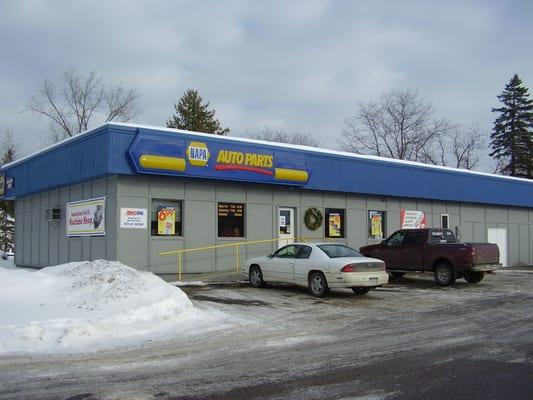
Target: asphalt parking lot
(408, 340)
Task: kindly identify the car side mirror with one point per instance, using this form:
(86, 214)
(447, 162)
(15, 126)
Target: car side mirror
(271, 255)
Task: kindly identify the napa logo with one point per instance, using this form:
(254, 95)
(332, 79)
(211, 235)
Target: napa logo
(198, 154)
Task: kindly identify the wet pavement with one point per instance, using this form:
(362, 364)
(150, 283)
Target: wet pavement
(408, 340)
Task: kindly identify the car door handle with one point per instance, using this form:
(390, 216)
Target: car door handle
(291, 264)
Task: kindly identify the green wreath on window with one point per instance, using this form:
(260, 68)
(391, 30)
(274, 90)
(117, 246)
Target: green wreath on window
(313, 218)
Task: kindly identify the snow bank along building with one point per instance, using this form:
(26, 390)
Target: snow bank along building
(128, 192)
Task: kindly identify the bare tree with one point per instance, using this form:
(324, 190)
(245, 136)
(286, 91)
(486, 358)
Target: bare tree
(278, 135)
(398, 125)
(401, 125)
(78, 100)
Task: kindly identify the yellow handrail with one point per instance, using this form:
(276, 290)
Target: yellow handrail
(236, 245)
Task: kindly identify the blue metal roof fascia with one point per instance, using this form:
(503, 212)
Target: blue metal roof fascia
(403, 180)
(73, 163)
(66, 164)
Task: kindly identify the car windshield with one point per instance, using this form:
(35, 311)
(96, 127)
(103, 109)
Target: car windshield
(338, 251)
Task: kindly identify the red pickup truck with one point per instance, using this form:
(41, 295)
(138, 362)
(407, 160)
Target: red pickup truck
(437, 251)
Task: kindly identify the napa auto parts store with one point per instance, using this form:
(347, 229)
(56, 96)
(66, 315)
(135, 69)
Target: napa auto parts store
(129, 192)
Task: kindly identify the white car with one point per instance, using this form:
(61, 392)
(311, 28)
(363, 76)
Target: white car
(318, 266)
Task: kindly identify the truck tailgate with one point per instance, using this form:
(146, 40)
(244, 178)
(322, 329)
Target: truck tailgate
(485, 253)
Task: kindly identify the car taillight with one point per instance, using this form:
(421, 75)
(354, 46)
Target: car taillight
(349, 268)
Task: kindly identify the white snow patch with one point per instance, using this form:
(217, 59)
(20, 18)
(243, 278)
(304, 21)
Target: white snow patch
(88, 306)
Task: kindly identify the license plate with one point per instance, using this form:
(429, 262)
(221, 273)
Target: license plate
(373, 280)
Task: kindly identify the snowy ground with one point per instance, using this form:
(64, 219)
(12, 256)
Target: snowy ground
(408, 340)
(89, 306)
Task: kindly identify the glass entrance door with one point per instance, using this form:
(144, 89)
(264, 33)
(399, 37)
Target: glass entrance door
(286, 228)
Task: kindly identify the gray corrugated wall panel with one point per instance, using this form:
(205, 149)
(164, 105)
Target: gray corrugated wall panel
(19, 232)
(356, 228)
(356, 202)
(480, 232)
(230, 193)
(379, 203)
(53, 241)
(334, 200)
(518, 215)
(74, 248)
(86, 248)
(259, 226)
(311, 199)
(199, 191)
(407, 204)
(132, 244)
(466, 232)
(472, 213)
(112, 221)
(225, 259)
(259, 195)
(524, 244)
(26, 255)
(513, 244)
(98, 248)
(393, 205)
(199, 223)
(44, 239)
(286, 197)
(497, 214)
(531, 244)
(164, 264)
(166, 188)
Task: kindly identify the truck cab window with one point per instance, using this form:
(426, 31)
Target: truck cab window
(396, 240)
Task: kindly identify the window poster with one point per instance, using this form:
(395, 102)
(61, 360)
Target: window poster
(166, 220)
(335, 228)
(376, 224)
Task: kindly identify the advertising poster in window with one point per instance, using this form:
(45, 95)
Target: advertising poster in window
(335, 228)
(376, 225)
(410, 219)
(86, 217)
(166, 221)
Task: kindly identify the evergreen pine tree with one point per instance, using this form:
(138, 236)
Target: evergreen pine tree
(7, 209)
(192, 115)
(512, 137)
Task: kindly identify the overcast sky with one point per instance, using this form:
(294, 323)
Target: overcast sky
(301, 66)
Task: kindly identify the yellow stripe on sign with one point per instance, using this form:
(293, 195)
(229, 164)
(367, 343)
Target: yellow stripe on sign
(295, 175)
(162, 162)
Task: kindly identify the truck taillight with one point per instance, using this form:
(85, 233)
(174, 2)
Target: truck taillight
(349, 268)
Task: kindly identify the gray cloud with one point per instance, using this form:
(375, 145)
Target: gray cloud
(299, 66)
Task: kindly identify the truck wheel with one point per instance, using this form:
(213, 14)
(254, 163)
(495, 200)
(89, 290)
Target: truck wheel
(474, 277)
(444, 274)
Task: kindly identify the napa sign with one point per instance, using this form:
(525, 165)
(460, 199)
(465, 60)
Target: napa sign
(180, 154)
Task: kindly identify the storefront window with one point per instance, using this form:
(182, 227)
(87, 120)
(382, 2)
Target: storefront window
(166, 218)
(334, 223)
(230, 220)
(376, 225)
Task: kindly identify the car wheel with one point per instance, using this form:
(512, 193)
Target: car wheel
(360, 290)
(397, 275)
(318, 286)
(256, 276)
(474, 277)
(444, 274)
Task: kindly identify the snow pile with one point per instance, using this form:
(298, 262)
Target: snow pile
(86, 306)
